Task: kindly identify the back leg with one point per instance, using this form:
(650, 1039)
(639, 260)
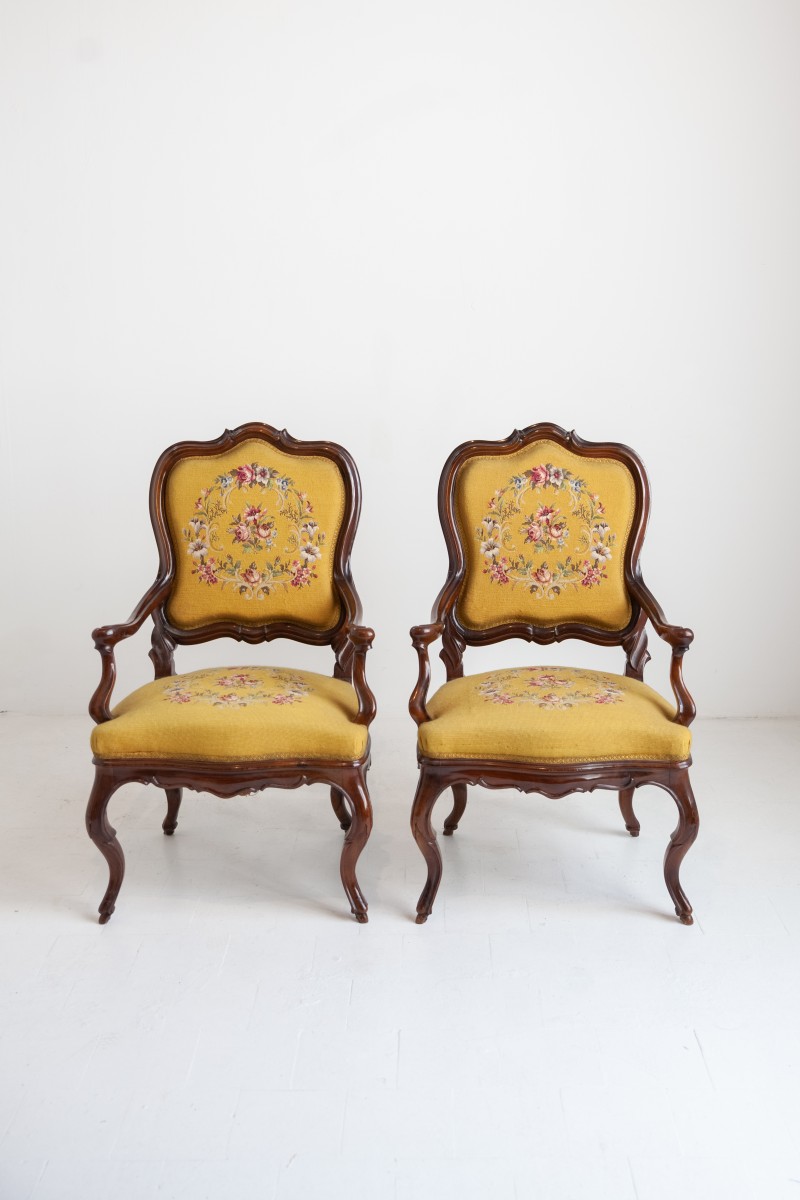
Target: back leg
(628, 815)
(459, 804)
(174, 797)
(104, 837)
(339, 805)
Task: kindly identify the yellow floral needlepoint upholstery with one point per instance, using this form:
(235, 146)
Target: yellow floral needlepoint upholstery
(235, 713)
(544, 533)
(254, 530)
(551, 714)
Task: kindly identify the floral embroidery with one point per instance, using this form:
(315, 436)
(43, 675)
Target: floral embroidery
(238, 689)
(550, 687)
(545, 531)
(258, 566)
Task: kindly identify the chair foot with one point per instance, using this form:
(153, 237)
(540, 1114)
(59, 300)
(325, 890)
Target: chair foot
(170, 823)
(428, 792)
(459, 804)
(104, 837)
(358, 831)
(628, 815)
(681, 841)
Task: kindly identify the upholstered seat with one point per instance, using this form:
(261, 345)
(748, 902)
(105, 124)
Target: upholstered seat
(552, 714)
(235, 713)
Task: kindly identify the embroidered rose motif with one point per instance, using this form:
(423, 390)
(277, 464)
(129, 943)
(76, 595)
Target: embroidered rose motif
(238, 689)
(253, 527)
(545, 528)
(301, 576)
(208, 571)
(550, 688)
(498, 571)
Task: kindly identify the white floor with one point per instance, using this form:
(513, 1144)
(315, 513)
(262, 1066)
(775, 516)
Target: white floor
(552, 1032)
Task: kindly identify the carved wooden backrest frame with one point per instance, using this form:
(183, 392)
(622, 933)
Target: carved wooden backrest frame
(456, 636)
(167, 635)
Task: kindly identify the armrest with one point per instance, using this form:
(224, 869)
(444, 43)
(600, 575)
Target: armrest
(421, 638)
(675, 635)
(109, 635)
(680, 640)
(361, 639)
(105, 638)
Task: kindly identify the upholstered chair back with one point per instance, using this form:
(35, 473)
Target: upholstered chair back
(255, 531)
(545, 532)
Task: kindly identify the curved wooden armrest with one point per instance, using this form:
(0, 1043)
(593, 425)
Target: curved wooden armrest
(675, 635)
(361, 639)
(680, 639)
(421, 638)
(105, 638)
(109, 635)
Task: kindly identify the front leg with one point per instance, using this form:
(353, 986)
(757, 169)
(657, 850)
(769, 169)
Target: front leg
(355, 788)
(428, 791)
(681, 841)
(104, 837)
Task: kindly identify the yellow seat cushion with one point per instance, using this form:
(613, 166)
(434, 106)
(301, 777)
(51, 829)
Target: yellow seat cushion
(551, 714)
(235, 713)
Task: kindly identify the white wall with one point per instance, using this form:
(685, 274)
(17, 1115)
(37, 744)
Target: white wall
(399, 226)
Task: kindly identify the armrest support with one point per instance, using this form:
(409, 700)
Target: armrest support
(361, 639)
(105, 638)
(680, 640)
(421, 638)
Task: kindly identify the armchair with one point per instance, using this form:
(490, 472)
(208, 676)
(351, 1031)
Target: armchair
(544, 532)
(244, 552)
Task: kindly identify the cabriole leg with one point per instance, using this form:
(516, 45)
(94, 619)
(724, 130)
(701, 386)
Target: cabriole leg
(459, 804)
(628, 815)
(174, 797)
(682, 838)
(339, 805)
(428, 792)
(358, 833)
(103, 836)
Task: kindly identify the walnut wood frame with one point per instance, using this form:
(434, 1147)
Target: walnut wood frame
(551, 779)
(349, 640)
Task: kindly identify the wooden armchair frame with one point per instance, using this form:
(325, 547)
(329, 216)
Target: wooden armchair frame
(350, 642)
(550, 779)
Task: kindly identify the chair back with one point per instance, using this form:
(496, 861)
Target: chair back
(544, 532)
(255, 531)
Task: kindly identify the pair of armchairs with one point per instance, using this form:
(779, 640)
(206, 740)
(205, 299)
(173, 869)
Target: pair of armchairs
(254, 533)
